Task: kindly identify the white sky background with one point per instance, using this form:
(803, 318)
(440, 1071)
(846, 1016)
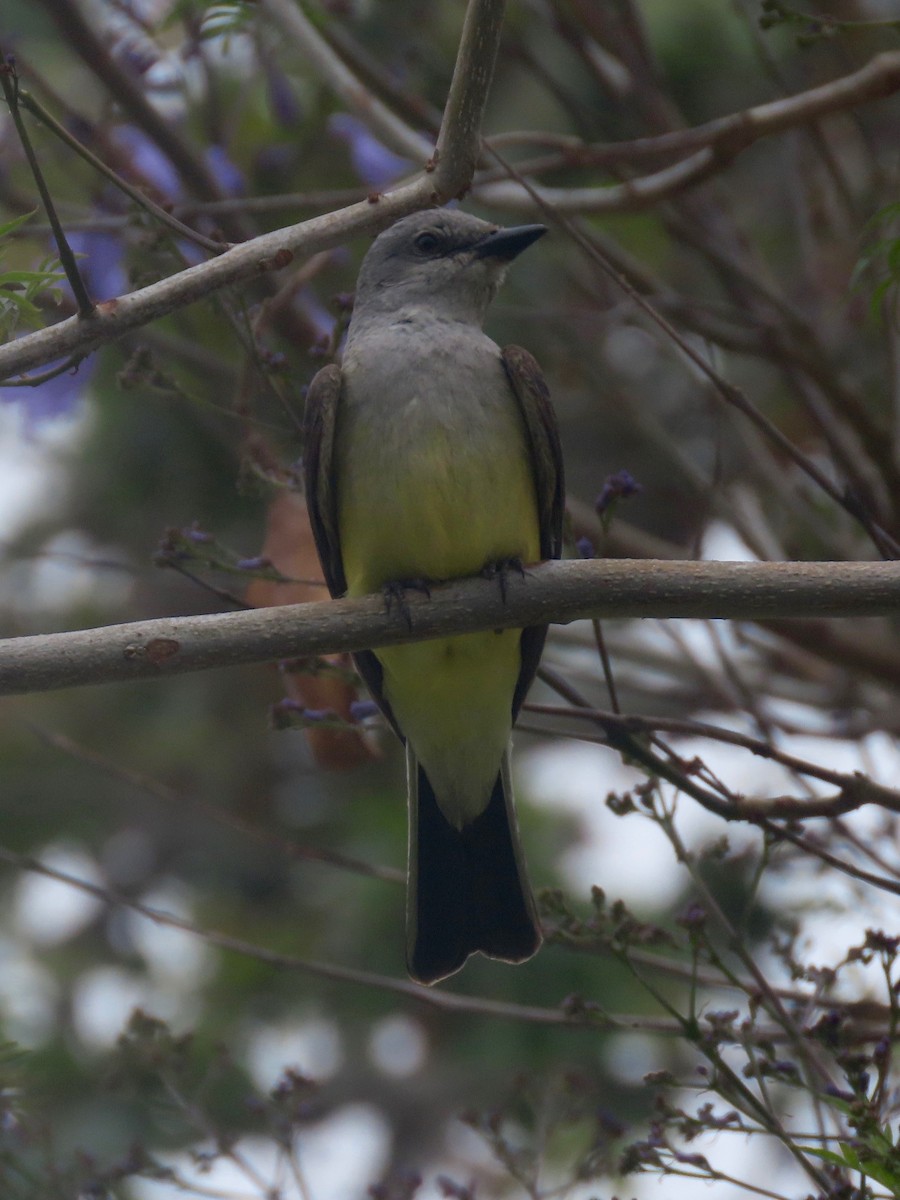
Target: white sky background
(26, 465)
(628, 856)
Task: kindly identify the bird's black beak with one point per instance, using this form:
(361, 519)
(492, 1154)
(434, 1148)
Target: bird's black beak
(507, 244)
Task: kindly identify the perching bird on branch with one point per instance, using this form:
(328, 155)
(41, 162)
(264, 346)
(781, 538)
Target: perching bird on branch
(431, 454)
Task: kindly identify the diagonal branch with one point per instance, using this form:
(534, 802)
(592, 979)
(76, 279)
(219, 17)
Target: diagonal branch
(557, 591)
(271, 251)
(460, 134)
(300, 31)
(81, 36)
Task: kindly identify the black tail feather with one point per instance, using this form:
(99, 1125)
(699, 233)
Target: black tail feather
(468, 890)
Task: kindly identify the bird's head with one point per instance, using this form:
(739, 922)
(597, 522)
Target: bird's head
(442, 261)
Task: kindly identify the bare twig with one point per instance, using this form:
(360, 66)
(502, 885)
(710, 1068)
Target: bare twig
(727, 392)
(856, 790)
(179, 801)
(557, 591)
(587, 1016)
(139, 197)
(300, 31)
(9, 81)
(70, 364)
(714, 145)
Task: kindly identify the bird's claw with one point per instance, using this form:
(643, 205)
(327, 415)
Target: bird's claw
(500, 569)
(395, 595)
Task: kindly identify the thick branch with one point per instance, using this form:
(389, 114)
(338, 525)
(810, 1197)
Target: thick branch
(558, 592)
(466, 101)
(246, 261)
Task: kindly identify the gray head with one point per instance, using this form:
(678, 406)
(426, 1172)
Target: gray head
(442, 260)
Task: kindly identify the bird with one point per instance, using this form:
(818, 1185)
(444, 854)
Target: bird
(431, 454)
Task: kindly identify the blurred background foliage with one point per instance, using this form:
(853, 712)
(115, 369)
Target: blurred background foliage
(182, 796)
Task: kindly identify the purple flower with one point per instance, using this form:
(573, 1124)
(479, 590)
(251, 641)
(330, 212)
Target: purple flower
(617, 487)
(283, 103)
(148, 161)
(100, 264)
(314, 715)
(197, 535)
(227, 175)
(374, 163)
(55, 398)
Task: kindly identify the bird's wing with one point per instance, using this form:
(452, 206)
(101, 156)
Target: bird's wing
(320, 419)
(322, 401)
(530, 391)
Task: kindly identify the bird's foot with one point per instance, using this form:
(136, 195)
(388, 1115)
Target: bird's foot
(501, 569)
(395, 595)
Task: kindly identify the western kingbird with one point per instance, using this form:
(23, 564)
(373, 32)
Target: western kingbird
(432, 454)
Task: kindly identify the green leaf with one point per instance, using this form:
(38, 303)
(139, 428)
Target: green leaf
(14, 224)
(30, 277)
(830, 1156)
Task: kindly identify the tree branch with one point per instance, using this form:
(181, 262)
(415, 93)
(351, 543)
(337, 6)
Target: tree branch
(584, 1015)
(713, 145)
(459, 134)
(456, 156)
(855, 791)
(246, 261)
(559, 592)
(80, 35)
(300, 31)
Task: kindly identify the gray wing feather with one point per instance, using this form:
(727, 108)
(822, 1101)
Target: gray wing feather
(533, 397)
(322, 401)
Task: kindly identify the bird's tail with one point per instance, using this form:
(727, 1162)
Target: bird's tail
(468, 890)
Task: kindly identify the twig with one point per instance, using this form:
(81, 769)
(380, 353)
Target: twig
(300, 31)
(719, 141)
(140, 198)
(887, 546)
(180, 801)
(9, 81)
(71, 364)
(856, 790)
(557, 592)
(810, 847)
(277, 249)
(588, 1016)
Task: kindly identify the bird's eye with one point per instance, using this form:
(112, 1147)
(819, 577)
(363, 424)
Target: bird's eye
(427, 243)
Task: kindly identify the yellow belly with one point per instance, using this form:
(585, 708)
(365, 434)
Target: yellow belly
(437, 517)
(453, 700)
(441, 516)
